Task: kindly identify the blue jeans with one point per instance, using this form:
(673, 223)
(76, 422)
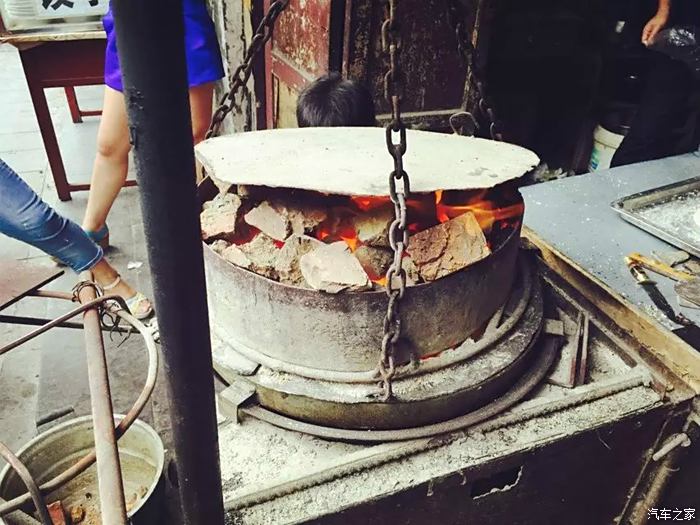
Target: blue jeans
(24, 216)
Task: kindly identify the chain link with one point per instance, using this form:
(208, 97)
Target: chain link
(456, 15)
(240, 76)
(399, 191)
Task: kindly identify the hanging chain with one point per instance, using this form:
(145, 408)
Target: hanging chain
(399, 193)
(242, 73)
(457, 16)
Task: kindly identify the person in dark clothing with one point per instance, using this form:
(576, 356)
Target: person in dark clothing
(331, 101)
(665, 105)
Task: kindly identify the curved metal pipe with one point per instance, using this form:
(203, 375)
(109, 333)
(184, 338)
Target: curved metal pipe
(86, 461)
(28, 481)
(519, 390)
(42, 329)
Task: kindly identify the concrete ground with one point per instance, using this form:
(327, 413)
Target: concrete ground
(48, 375)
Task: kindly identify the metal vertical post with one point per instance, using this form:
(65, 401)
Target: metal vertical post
(109, 473)
(150, 39)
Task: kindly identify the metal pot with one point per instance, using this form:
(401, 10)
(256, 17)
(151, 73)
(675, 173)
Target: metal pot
(141, 454)
(343, 332)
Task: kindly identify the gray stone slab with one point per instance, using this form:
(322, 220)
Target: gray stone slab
(574, 215)
(354, 161)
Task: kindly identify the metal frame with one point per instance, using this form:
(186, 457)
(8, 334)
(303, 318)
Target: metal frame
(628, 206)
(113, 505)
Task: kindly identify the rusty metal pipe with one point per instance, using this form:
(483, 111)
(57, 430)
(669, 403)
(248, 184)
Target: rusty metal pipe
(59, 320)
(29, 482)
(40, 321)
(109, 472)
(86, 461)
(51, 294)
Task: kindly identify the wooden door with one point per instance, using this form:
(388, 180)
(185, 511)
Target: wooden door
(314, 37)
(304, 47)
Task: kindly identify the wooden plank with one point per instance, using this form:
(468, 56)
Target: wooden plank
(17, 279)
(657, 343)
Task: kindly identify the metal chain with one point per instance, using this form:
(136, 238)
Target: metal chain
(398, 232)
(456, 15)
(240, 76)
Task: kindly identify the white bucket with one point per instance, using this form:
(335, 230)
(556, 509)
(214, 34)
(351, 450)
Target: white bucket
(605, 144)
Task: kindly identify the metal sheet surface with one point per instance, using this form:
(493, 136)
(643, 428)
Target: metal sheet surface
(574, 216)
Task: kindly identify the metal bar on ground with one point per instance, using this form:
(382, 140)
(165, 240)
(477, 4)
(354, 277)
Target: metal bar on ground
(109, 473)
(150, 38)
(21, 471)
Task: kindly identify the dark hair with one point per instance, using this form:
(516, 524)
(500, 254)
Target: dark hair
(332, 101)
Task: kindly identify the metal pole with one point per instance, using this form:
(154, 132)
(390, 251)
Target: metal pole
(150, 39)
(109, 472)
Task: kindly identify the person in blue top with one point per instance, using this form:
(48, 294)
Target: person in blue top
(204, 67)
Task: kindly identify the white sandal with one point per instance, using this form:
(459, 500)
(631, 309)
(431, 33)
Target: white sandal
(139, 305)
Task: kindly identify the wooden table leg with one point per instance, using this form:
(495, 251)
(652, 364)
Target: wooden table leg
(75, 113)
(48, 134)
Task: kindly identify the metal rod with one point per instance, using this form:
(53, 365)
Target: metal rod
(56, 322)
(87, 461)
(39, 321)
(51, 294)
(150, 38)
(109, 471)
(36, 321)
(19, 517)
(29, 482)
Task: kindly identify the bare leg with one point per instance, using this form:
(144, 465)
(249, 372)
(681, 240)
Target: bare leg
(105, 274)
(201, 98)
(112, 160)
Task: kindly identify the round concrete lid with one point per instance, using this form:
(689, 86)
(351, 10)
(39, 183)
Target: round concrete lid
(355, 161)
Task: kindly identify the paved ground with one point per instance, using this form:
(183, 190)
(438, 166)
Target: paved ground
(49, 374)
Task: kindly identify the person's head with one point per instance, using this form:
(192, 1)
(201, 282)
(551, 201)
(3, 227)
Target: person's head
(331, 101)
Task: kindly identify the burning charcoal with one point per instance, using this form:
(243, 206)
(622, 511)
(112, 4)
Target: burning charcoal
(219, 217)
(270, 220)
(412, 274)
(372, 227)
(333, 268)
(448, 247)
(262, 254)
(305, 218)
(375, 261)
(219, 246)
(287, 264)
(235, 255)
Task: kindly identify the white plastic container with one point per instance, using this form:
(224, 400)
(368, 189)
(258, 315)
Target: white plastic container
(605, 144)
(19, 16)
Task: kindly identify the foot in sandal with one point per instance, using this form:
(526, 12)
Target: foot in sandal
(112, 283)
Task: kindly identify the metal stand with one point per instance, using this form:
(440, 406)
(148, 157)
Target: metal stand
(113, 507)
(150, 37)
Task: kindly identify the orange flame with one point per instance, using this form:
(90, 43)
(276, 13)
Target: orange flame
(485, 210)
(425, 211)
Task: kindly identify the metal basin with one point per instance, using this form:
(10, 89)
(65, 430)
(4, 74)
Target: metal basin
(141, 454)
(343, 332)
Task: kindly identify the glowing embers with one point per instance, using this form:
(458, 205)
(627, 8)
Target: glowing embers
(338, 243)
